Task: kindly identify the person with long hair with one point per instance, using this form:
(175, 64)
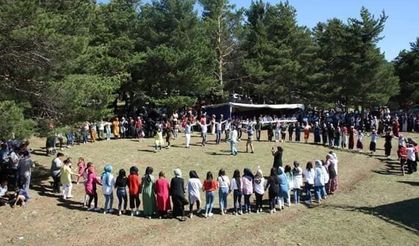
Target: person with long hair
(247, 188)
(273, 189)
(121, 191)
(147, 189)
(134, 185)
(210, 186)
(259, 187)
(236, 187)
(223, 190)
(308, 175)
(90, 186)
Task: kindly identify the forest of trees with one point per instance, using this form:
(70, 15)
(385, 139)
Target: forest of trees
(70, 61)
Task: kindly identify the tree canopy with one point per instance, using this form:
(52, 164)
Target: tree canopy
(72, 61)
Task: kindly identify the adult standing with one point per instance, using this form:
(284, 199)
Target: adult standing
(387, 145)
(249, 138)
(277, 156)
(233, 141)
(115, 128)
(25, 171)
(147, 189)
(177, 191)
(291, 128)
(351, 138)
(316, 133)
(56, 165)
(258, 128)
(161, 188)
(297, 132)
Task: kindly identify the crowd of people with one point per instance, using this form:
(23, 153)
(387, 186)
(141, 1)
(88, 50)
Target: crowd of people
(15, 172)
(161, 198)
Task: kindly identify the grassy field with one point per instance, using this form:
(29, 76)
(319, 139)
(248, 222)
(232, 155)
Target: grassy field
(375, 205)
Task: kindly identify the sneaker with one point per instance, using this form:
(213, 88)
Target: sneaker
(210, 214)
(199, 211)
(132, 213)
(222, 213)
(111, 211)
(191, 215)
(104, 212)
(206, 215)
(90, 209)
(271, 211)
(96, 209)
(119, 213)
(240, 212)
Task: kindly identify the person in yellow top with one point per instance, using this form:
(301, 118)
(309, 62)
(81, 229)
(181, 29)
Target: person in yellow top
(115, 127)
(158, 138)
(65, 178)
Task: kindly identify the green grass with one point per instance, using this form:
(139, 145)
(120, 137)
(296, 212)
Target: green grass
(375, 205)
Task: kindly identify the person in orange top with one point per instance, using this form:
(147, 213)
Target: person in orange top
(115, 128)
(210, 185)
(306, 130)
(134, 187)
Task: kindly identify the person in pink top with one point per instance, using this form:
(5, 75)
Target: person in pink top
(161, 189)
(90, 186)
(247, 188)
(81, 166)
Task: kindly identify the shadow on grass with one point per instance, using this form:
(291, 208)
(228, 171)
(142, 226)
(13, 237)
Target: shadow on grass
(403, 214)
(41, 152)
(412, 183)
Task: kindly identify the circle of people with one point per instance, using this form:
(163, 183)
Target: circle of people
(284, 186)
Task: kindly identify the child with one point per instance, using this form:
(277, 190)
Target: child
(21, 199)
(297, 174)
(259, 185)
(90, 187)
(65, 178)
(158, 140)
(108, 183)
(290, 179)
(224, 187)
(210, 185)
(134, 186)
(308, 175)
(161, 189)
(283, 188)
(121, 191)
(247, 188)
(82, 166)
(194, 186)
(273, 189)
(236, 187)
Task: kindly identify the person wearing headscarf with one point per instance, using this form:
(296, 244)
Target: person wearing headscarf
(147, 189)
(283, 187)
(319, 181)
(108, 183)
(177, 191)
(332, 167)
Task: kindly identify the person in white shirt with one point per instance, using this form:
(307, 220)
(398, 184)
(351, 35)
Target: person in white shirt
(233, 141)
(259, 184)
(411, 158)
(223, 190)
(194, 188)
(308, 175)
